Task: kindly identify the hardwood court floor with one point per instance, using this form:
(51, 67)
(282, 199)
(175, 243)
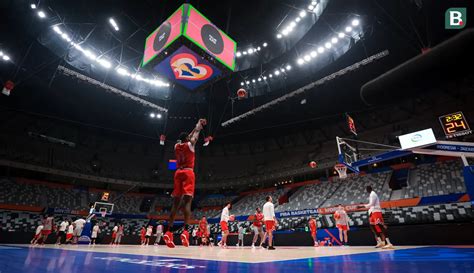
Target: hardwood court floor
(137, 259)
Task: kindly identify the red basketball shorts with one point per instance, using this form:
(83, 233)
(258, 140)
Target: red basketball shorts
(224, 226)
(342, 227)
(376, 218)
(270, 225)
(184, 182)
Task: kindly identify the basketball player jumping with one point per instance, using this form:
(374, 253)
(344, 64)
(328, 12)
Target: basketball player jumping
(377, 224)
(184, 182)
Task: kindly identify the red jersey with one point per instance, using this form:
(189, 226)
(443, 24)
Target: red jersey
(312, 225)
(203, 226)
(184, 153)
(142, 232)
(257, 219)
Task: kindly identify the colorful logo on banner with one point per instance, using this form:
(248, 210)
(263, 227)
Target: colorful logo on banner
(186, 67)
(455, 18)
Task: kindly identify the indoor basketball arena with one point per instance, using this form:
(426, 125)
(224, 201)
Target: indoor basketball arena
(236, 136)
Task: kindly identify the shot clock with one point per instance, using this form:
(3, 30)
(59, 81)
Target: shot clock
(454, 125)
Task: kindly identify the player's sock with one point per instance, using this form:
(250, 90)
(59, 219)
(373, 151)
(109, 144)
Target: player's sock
(388, 241)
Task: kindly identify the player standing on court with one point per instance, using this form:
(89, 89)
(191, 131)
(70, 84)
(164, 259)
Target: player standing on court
(203, 230)
(184, 182)
(313, 229)
(95, 233)
(342, 223)
(257, 227)
(159, 233)
(377, 224)
(62, 232)
(225, 217)
(270, 220)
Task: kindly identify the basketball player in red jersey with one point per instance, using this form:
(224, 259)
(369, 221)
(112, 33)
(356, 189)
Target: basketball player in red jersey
(257, 227)
(203, 230)
(313, 228)
(184, 181)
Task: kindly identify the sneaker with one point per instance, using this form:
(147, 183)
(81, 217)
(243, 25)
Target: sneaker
(184, 238)
(380, 245)
(388, 246)
(271, 248)
(316, 244)
(169, 239)
(253, 245)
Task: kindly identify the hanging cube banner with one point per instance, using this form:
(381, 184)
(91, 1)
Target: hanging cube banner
(189, 50)
(187, 68)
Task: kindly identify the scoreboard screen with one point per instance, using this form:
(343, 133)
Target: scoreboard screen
(454, 125)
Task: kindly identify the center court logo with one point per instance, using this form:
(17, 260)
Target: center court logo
(416, 137)
(455, 18)
(168, 263)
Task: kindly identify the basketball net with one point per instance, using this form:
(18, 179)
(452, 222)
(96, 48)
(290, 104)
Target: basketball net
(341, 170)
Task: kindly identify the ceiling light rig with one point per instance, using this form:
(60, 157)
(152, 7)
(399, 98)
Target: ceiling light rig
(107, 64)
(251, 50)
(114, 24)
(306, 58)
(4, 56)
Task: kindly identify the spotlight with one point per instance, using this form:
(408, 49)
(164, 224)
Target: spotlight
(300, 61)
(313, 54)
(355, 22)
(341, 35)
(298, 19)
(270, 76)
(277, 72)
(114, 24)
(302, 13)
(6, 57)
(285, 32)
(247, 82)
(264, 77)
(307, 58)
(152, 115)
(122, 71)
(310, 7)
(1, 53)
(245, 52)
(41, 14)
(292, 24)
(265, 44)
(334, 40)
(258, 48)
(259, 79)
(238, 54)
(348, 29)
(57, 30)
(253, 80)
(90, 55)
(279, 36)
(288, 67)
(158, 115)
(328, 45)
(104, 63)
(320, 49)
(250, 51)
(33, 6)
(64, 36)
(242, 83)
(314, 3)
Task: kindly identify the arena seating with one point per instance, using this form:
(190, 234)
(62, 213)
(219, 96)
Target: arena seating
(215, 201)
(247, 204)
(440, 178)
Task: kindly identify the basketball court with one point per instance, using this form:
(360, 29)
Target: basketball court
(21, 258)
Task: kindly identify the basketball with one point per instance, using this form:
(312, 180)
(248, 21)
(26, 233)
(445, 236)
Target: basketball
(313, 164)
(232, 218)
(337, 216)
(241, 93)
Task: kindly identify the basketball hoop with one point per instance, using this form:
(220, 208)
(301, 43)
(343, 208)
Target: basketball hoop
(103, 212)
(341, 170)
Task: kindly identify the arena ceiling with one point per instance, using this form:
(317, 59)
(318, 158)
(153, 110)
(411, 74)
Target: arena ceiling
(402, 27)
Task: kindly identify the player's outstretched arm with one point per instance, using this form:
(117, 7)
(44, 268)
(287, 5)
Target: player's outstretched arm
(194, 135)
